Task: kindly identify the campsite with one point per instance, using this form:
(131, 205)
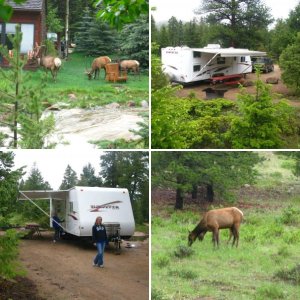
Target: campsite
(205, 66)
(264, 186)
(51, 81)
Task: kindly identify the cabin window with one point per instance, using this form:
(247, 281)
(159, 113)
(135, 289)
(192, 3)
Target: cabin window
(71, 207)
(196, 54)
(197, 68)
(221, 60)
(243, 59)
(28, 35)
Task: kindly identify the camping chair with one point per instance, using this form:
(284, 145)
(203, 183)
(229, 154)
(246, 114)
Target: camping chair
(114, 74)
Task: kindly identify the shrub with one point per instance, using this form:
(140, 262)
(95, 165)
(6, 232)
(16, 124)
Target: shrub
(157, 294)
(184, 273)
(283, 251)
(183, 251)
(161, 260)
(8, 252)
(290, 216)
(292, 275)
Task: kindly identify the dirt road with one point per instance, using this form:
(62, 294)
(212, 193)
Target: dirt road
(64, 270)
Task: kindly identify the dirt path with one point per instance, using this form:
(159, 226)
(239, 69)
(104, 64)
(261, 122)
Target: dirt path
(64, 270)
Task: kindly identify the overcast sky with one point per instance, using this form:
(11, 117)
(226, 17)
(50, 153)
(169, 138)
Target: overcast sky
(52, 163)
(183, 9)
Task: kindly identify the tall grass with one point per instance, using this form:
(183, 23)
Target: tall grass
(269, 244)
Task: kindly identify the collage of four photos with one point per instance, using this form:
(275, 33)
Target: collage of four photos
(149, 149)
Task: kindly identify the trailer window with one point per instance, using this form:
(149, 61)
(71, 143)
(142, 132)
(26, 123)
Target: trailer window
(196, 54)
(71, 207)
(221, 60)
(197, 68)
(243, 59)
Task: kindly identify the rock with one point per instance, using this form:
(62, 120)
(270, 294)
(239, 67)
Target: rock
(54, 107)
(72, 96)
(272, 80)
(246, 185)
(130, 103)
(144, 104)
(113, 105)
(247, 83)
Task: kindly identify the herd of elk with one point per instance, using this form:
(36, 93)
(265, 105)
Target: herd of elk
(54, 63)
(216, 219)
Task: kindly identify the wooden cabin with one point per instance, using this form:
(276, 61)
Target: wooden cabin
(32, 17)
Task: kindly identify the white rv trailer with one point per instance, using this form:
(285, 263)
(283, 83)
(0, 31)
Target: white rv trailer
(186, 65)
(80, 206)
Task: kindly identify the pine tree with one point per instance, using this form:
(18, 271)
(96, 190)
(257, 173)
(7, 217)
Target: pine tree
(88, 177)
(94, 37)
(70, 179)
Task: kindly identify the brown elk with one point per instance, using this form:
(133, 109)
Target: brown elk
(133, 65)
(213, 220)
(49, 62)
(98, 64)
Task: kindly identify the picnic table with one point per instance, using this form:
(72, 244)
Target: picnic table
(227, 79)
(34, 229)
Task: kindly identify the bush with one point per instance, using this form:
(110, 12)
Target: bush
(183, 251)
(161, 260)
(157, 294)
(290, 216)
(8, 253)
(184, 273)
(292, 275)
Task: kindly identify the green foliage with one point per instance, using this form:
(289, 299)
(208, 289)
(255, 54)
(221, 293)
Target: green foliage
(290, 216)
(6, 10)
(269, 291)
(290, 274)
(94, 37)
(53, 22)
(117, 13)
(183, 251)
(290, 65)
(88, 177)
(134, 41)
(261, 123)
(162, 260)
(70, 179)
(8, 254)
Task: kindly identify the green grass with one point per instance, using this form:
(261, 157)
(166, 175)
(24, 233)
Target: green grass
(269, 245)
(72, 80)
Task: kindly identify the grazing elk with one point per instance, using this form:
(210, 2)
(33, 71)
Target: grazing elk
(133, 65)
(213, 220)
(49, 62)
(98, 64)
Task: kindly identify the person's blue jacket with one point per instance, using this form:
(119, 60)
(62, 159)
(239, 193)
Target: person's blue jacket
(99, 234)
(55, 222)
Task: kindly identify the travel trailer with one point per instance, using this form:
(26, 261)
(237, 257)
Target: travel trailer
(186, 65)
(80, 206)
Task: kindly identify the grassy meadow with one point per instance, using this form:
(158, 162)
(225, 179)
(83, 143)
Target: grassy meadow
(266, 265)
(72, 80)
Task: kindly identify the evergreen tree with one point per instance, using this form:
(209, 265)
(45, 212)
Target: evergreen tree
(134, 40)
(93, 36)
(9, 180)
(88, 177)
(70, 179)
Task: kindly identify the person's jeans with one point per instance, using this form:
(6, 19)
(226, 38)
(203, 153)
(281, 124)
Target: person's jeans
(98, 260)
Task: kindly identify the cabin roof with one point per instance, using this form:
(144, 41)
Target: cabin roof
(30, 5)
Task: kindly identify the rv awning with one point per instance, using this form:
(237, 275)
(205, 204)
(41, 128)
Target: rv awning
(230, 52)
(42, 195)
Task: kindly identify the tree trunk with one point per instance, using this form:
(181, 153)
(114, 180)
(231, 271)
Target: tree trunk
(195, 191)
(179, 199)
(209, 193)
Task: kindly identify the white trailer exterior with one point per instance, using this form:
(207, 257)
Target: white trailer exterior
(186, 65)
(80, 206)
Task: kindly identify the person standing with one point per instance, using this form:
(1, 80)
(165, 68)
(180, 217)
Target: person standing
(99, 239)
(57, 227)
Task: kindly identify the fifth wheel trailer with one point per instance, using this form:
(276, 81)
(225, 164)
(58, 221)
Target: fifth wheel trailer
(79, 207)
(186, 65)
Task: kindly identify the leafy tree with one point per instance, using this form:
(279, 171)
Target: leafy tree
(183, 171)
(290, 65)
(88, 177)
(120, 12)
(239, 19)
(134, 41)
(9, 180)
(70, 179)
(6, 10)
